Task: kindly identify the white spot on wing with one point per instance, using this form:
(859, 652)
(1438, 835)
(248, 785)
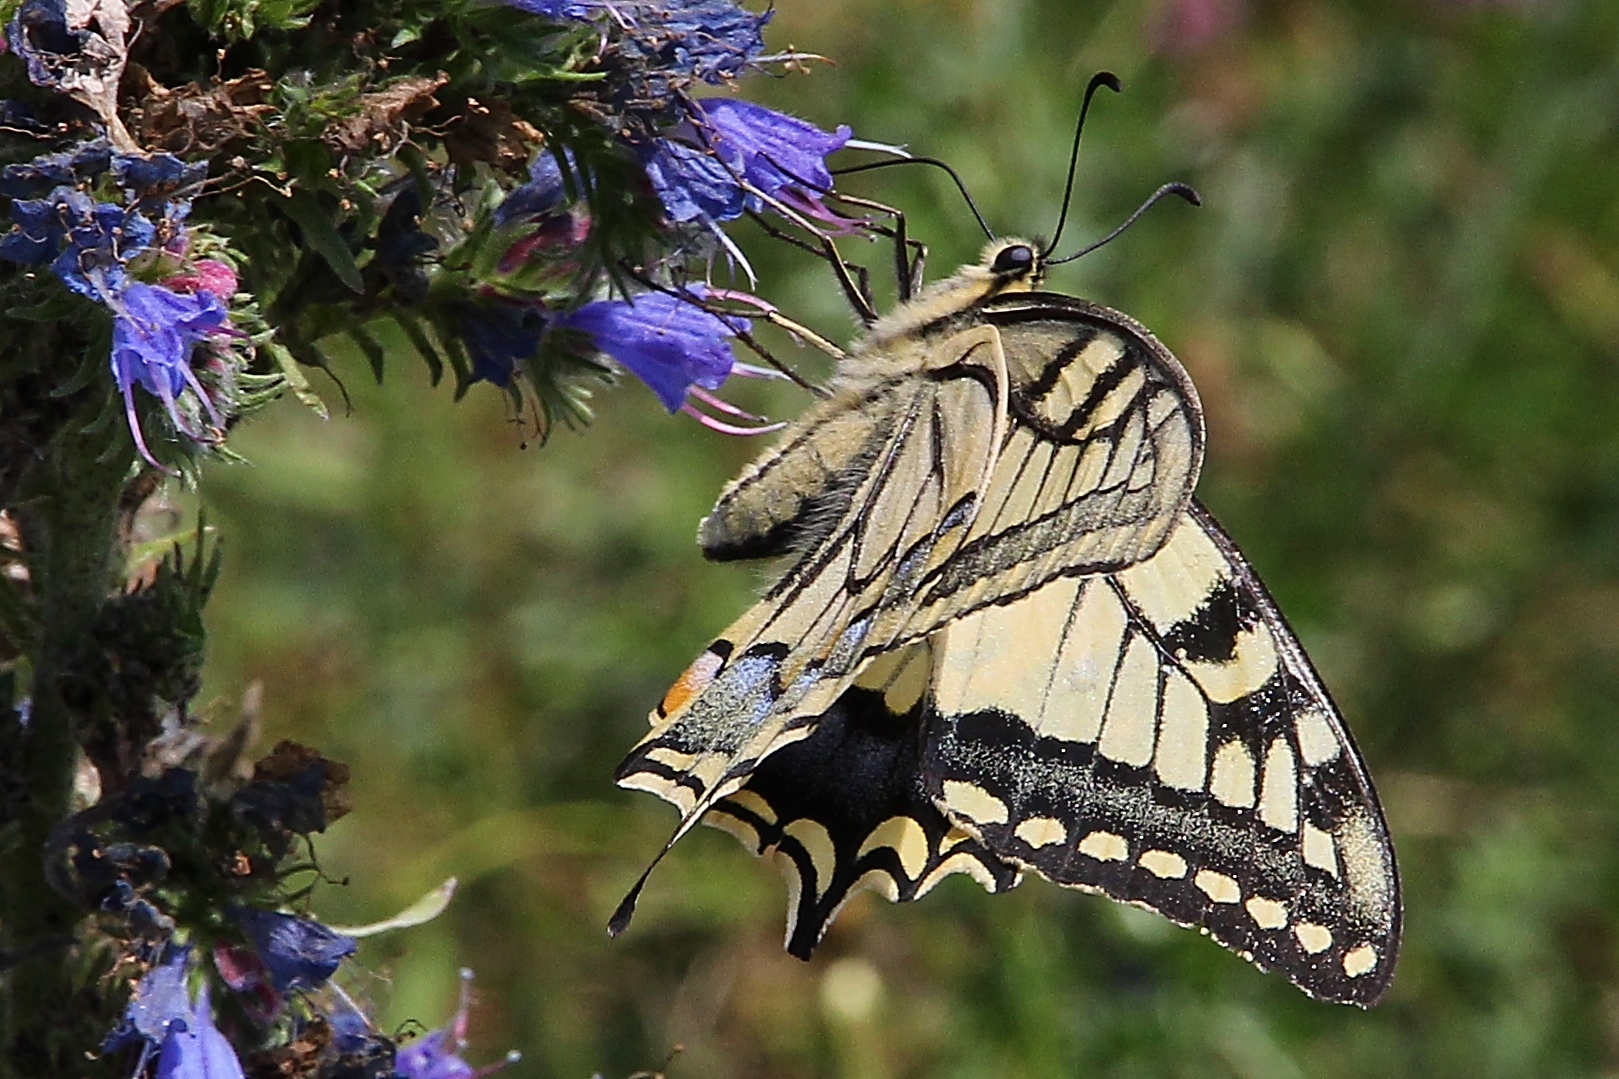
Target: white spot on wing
(1278, 792)
(1319, 849)
(1233, 778)
(1313, 938)
(905, 837)
(753, 803)
(1251, 666)
(1105, 847)
(1217, 886)
(974, 803)
(817, 843)
(1360, 960)
(1163, 863)
(1266, 913)
(1041, 831)
(1367, 871)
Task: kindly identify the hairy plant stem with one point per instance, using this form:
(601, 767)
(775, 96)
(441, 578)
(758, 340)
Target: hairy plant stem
(69, 528)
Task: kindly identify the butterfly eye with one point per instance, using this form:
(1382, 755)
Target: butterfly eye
(1017, 259)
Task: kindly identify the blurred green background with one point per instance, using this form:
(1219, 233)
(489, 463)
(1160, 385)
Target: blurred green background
(1401, 306)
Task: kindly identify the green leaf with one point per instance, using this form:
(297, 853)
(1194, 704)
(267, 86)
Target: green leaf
(293, 372)
(423, 344)
(373, 350)
(321, 234)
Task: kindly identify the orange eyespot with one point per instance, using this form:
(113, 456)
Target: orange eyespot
(691, 682)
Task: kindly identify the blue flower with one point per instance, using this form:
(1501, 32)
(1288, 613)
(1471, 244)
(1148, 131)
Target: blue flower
(774, 152)
(158, 1000)
(162, 1017)
(748, 154)
(298, 952)
(436, 1054)
(692, 184)
(32, 179)
(100, 238)
(91, 240)
(195, 1049)
(666, 341)
(153, 333)
(711, 40)
(149, 181)
(499, 336)
(39, 33)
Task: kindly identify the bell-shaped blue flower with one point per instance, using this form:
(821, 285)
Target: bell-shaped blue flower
(195, 1049)
(668, 342)
(693, 184)
(298, 952)
(772, 151)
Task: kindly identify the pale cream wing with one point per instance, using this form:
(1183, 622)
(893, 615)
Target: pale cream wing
(1158, 735)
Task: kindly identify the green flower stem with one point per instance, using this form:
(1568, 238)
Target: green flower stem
(75, 558)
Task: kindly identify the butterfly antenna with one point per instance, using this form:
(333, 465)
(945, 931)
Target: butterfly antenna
(936, 163)
(1098, 80)
(1182, 190)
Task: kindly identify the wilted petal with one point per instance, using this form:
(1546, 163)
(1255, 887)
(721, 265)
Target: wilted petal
(31, 179)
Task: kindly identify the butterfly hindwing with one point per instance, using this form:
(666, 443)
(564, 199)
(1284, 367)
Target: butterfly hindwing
(1157, 735)
(845, 810)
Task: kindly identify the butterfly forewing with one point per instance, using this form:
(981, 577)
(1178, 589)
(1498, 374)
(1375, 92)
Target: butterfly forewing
(845, 809)
(1157, 735)
(1051, 403)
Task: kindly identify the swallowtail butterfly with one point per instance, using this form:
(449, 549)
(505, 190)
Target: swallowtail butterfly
(1010, 639)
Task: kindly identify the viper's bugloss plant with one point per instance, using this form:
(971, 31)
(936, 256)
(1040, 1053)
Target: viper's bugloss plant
(197, 203)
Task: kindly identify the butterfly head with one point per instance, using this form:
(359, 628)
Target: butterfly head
(1013, 265)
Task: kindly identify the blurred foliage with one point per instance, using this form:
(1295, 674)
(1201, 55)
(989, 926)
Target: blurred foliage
(1401, 306)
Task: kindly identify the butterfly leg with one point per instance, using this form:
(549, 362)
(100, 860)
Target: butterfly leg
(907, 270)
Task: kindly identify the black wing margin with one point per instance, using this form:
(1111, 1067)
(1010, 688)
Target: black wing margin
(1172, 747)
